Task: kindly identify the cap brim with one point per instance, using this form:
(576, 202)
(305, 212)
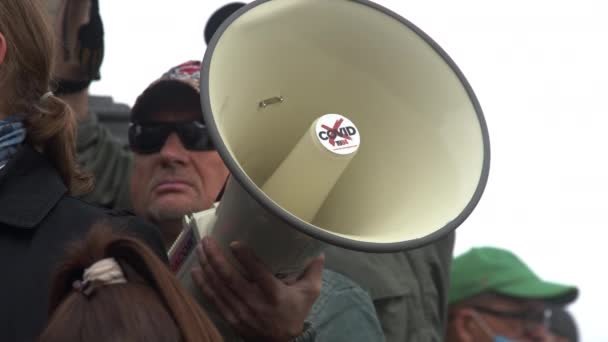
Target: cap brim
(538, 289)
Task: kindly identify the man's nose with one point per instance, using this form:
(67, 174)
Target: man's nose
(173, 149)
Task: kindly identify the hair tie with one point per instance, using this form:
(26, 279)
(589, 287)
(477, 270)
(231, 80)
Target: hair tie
(103, 272)
(46, 95)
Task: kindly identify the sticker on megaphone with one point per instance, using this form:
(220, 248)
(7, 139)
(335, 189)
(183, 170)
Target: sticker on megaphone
(338, 134)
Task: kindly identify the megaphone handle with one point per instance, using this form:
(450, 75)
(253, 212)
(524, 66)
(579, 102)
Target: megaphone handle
(308, 251)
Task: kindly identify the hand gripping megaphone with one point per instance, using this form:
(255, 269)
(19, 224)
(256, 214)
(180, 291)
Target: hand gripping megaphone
(342, 123)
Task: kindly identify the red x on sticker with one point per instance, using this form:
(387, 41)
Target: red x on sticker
(332, 138)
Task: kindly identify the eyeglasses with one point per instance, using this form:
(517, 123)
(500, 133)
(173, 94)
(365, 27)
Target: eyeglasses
(536, 316)
(150, 138)
(530, 318)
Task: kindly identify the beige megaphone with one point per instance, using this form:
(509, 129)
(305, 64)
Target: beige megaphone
(273, 71)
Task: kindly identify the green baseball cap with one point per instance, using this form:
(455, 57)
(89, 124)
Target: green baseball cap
(489, 269)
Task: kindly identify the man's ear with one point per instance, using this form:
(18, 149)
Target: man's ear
(463, 325)
(2, 48)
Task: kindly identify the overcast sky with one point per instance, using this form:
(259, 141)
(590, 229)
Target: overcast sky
(539, 70)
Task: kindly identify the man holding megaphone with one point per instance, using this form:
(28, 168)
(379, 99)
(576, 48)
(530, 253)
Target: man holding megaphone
(176, 171)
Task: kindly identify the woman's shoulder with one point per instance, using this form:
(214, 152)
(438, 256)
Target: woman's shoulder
(122, 221)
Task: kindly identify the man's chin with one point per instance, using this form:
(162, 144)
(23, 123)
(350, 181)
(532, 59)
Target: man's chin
(174, 207)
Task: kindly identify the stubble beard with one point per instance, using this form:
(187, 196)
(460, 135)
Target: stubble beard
(160, 212)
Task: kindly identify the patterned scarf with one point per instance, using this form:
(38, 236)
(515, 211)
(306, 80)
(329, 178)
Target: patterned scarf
(12, 134)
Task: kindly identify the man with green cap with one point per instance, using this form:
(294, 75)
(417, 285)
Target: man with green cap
(495, 296)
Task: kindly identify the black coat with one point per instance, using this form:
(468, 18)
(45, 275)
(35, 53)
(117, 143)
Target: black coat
(37, 220)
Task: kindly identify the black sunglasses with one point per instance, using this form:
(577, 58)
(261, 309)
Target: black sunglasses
(148, 138)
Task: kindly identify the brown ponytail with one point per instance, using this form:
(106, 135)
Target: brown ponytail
(151, 306)
(26, 75)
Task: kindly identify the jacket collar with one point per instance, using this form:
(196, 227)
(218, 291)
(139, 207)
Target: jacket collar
(29, 188)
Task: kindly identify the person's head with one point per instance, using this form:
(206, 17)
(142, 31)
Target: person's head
(218, 17)
(26, 69)
(79, 29)
(494, 296)
(176, 170)
(562, 325)
(111, 287)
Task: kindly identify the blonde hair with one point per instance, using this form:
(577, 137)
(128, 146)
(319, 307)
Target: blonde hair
(26, 74)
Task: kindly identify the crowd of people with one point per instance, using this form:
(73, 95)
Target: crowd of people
(85, 224)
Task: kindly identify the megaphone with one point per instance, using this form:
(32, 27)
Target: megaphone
(276, 71)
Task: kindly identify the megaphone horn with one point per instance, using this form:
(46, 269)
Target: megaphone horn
(272, 73)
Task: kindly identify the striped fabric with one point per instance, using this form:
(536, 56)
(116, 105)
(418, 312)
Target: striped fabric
(12, 134)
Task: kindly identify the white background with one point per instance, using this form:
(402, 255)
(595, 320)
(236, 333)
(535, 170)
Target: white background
(539, 69)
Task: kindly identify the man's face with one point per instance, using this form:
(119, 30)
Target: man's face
(516, 319)
(176, 181)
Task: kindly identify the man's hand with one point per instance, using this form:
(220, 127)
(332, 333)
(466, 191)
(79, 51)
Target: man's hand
(261, 307)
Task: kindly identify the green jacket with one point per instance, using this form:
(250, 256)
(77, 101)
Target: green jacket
(343, 311)
(111, 164)
(409, 289)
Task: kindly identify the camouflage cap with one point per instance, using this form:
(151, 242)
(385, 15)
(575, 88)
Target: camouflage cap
(176, 89)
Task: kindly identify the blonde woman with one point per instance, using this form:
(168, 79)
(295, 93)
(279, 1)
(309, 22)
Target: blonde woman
(38, 173)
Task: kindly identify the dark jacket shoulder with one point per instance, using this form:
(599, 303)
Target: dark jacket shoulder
(38, 220)
(121, 221)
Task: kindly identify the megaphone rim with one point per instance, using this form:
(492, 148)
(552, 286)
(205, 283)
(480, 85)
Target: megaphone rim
(304, 227)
